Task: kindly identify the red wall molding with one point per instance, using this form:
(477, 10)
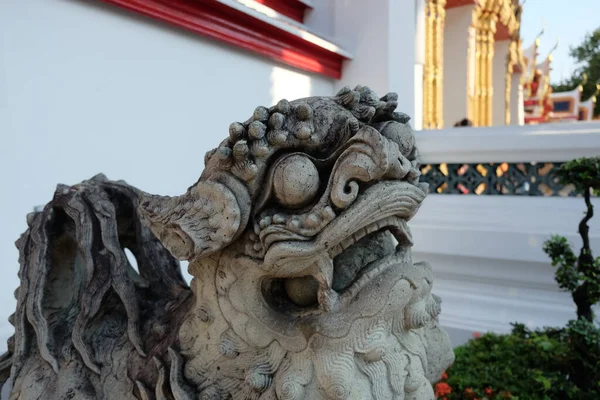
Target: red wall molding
(293, 9)
(502, 32)
(459, 3)
(226, 24)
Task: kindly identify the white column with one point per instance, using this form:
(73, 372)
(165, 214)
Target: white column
(381, 35)
(517, 112)
(419, 62)
(501, 49)
(456, 62)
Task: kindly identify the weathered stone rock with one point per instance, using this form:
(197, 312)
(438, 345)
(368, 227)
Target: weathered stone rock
(304, 286)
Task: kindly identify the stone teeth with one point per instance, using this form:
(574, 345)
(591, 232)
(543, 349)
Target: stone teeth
(265, 222)
(312, 221)
(372, 273)
(294, 224)
(347, 243)
(337, 249)
(393, 224)
(372, 228)
(278, 219)
(328, 213)
(359, 234)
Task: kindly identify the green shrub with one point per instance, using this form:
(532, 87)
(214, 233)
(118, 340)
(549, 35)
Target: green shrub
(578, 275)
(547, 364)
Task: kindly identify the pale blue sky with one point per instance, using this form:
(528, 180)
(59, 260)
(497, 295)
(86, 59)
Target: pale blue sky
(567, 20)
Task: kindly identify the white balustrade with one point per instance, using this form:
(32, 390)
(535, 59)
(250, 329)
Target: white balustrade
(487, 250)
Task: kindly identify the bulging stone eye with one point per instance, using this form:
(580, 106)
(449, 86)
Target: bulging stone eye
(296, 181)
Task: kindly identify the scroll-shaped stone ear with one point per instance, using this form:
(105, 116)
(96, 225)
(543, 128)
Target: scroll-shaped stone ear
(207, 218)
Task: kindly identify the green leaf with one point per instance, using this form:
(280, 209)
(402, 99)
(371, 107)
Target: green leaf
(546, 345)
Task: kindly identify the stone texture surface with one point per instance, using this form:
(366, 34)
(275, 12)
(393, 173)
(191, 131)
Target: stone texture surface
(304, 286)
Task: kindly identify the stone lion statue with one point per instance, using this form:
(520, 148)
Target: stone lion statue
(304, 286)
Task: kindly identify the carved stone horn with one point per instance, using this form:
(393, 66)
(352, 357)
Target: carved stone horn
(208, 217)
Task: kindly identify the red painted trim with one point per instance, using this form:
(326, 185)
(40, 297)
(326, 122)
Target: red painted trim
(218, 21)
(533, 102)
(501, 32)
(293, 9)
(459, 3)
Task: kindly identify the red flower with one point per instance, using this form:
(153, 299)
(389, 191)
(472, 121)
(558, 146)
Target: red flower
(476, 335)
(488, 391)
(469, 393)
(442, 389)
(444, 376)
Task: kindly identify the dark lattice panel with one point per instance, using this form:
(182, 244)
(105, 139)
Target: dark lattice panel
(525, 179)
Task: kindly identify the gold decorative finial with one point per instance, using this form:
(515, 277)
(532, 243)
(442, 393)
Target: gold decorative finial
(550, 57)
(537, 38)
(555, 46)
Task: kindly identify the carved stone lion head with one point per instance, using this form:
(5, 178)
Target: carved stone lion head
(297, 238)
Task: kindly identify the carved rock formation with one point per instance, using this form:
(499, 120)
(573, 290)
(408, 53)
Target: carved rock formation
(304, 286)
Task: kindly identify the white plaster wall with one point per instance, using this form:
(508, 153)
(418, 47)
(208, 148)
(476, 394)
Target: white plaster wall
(517, 111)
(381, 36)
(87, 88)
(419, 63)
(501, 50)
(456, 45)
(401, 49)
(487, 258)
(320, 18)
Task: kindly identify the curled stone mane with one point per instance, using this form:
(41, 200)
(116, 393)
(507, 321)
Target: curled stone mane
(304, 285)
(305, 125)
(79, 293)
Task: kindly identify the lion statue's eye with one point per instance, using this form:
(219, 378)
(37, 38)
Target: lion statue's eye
(295, 181)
